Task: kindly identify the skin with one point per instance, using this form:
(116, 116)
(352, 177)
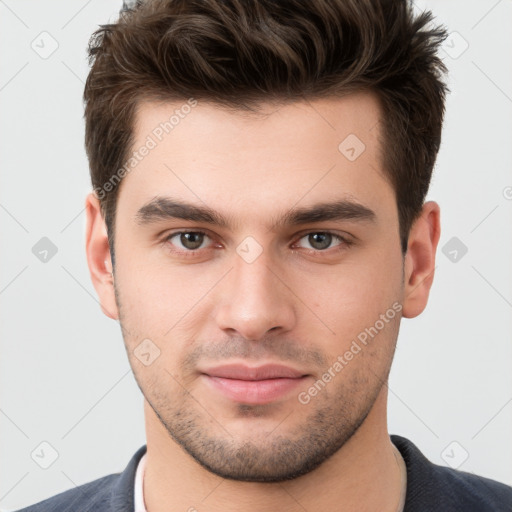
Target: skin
(295, 304)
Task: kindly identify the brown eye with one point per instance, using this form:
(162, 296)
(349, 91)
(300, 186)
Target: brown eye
(321, 240)
(189, 240)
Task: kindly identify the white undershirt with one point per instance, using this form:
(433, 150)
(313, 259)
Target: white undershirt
(139, 489)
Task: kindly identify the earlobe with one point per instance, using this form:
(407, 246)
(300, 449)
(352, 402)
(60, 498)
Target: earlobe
(98, 257)
(420, 260)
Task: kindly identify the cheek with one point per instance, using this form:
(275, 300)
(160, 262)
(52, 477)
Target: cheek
(162, 305)
(353, 296)
(151, 293)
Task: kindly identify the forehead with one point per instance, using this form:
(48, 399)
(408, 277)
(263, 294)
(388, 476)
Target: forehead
(284, 125)
(302, 152)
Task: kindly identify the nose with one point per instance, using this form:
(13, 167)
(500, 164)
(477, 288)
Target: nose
(255, 299)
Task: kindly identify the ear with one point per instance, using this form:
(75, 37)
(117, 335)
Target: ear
(98, 256)
(420, 259)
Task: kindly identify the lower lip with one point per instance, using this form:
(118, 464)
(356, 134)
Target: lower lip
(254, 391)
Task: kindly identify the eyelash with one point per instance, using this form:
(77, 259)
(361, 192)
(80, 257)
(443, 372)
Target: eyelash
(344, 242)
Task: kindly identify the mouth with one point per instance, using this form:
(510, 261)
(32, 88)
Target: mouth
(254, 385)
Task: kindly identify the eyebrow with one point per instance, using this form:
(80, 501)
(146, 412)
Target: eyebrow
(162, 208)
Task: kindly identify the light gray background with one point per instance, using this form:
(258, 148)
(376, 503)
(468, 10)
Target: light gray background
(65, 377)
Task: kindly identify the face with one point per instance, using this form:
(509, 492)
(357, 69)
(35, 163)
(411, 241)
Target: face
(259, 280)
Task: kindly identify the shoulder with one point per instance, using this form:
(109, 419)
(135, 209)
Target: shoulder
(111, 493)
(434, 487)
(480, 493)
(90, 496)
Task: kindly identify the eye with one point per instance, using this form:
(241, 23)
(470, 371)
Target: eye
(188, 240)
(189, 243)
(321, 240)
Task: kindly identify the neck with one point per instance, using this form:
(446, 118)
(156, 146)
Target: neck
(362, 476)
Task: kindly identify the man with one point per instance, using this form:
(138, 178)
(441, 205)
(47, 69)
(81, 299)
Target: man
(258, 227)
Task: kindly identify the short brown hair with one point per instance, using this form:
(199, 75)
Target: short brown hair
(241, 53)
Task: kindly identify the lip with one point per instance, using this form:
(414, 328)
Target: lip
(242, 372)
(253, 385)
